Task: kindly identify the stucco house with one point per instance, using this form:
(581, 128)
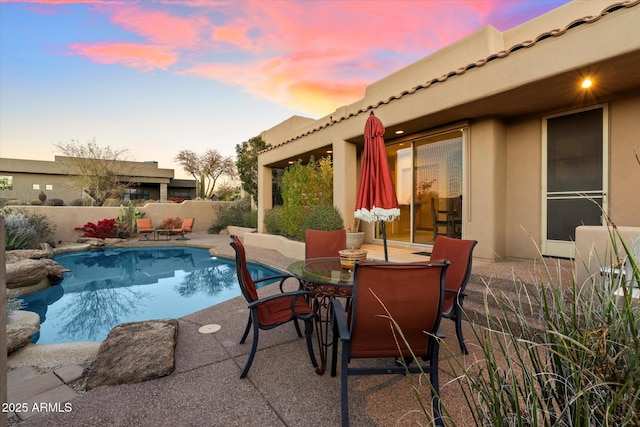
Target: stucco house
(24, 179)
(498, 137)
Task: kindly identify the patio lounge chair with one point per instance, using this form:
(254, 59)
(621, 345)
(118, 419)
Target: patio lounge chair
(460, 254)
(145, 227)
(323, 244)
(395, 312)
(272, 311)
(186, 227)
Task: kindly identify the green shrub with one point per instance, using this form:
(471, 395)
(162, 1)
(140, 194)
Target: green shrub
(25, 229)
(305, 186)
(274, 221)
(14, 202)
(35, 202)
(237, 213)
(54, 202)
(77, 202)
(323, 217)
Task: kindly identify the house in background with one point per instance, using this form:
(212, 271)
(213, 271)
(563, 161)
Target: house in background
(25, 179)
(503, 137)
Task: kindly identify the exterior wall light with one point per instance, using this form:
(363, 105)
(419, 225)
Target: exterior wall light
(586, 83)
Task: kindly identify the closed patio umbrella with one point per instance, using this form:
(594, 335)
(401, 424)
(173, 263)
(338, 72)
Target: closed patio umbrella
(376, 199)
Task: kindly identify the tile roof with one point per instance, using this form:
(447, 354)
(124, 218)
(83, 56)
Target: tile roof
(479, 63)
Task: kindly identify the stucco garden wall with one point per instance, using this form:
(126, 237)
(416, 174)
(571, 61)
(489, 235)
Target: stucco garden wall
(66, 218)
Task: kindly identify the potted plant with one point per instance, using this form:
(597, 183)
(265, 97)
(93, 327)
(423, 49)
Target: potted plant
(355, 238)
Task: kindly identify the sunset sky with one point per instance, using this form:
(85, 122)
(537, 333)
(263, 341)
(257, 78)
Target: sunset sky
(160, 76)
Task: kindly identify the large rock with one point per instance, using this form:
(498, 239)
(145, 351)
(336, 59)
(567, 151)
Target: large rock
(45, 251)
(26, 272)
(21, 325)
(135, 352)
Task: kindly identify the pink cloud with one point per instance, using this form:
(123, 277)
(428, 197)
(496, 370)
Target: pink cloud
(310, 55)
(144, 57)
(160, 27)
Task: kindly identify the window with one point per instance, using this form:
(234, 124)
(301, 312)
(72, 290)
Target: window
(136, 194)
(48, 187)
(6, 182)
(35, 186)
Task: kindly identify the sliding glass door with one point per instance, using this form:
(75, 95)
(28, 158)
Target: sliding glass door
(427, 174)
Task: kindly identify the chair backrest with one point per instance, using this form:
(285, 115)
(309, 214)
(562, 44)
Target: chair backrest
(412, 293)
(323, 244)
(247, 285)
(187, 224)
(144, 224)
(459, 252)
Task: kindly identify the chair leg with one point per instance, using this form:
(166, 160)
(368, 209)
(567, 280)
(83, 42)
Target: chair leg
(246, 331)
(435, 392)
(254, 347)
(295, 322)
(308, 331)
(344, 387)
(458, 320)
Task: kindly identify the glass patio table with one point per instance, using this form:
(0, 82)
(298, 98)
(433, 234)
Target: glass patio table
(326, 279)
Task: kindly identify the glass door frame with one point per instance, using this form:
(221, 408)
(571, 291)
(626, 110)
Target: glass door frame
(463, 128)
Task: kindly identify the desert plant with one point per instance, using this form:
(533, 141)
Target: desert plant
(237, 213)
(26, 229)
(105, 228)
(13, 304)
(128, 216)
(274, 221)
(170, 223)
(54, 202)
(111, 201)
(323, 217)
(42, 196)
(577, 365)
(35, 202)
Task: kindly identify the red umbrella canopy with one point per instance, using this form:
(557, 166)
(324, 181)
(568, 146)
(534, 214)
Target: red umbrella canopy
(377, 199)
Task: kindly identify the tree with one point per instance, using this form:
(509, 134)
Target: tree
(206, 169)
(100, 172)
(247, 164)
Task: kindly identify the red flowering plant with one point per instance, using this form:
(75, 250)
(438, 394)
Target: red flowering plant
(171, 223)
(105, 228)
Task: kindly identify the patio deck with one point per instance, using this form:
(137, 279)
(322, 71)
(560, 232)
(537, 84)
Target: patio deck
(282, 389)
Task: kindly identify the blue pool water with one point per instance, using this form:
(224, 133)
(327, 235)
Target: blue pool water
(112, 286)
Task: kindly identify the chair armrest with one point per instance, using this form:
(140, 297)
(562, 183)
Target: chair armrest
(340, 320)
(283, 278)
(277, 296)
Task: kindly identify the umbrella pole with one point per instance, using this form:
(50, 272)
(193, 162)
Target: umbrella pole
(384, 239)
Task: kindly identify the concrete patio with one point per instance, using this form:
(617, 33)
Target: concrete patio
(282, 388)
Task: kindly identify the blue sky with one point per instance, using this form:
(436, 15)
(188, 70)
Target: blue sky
(160, 76)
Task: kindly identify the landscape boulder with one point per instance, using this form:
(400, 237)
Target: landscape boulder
(26, 275)
(135, 352)
(21, 325)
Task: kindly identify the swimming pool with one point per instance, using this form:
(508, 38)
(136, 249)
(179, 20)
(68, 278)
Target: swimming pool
(107, 287)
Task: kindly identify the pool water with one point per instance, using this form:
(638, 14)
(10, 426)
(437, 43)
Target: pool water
(111, 286)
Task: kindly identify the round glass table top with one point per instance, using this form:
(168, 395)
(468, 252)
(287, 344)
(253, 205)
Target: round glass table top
(322, 271)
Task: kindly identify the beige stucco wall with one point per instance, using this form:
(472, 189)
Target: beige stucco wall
(66, 218)
(624, 158)
(524, 187)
